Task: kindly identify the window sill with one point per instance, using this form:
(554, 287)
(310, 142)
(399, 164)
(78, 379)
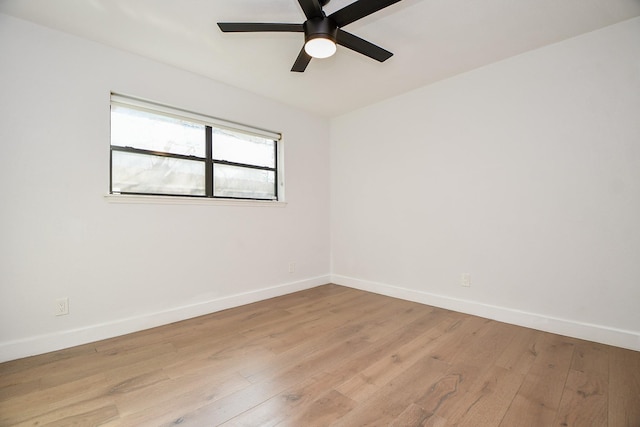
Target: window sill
(178, 200)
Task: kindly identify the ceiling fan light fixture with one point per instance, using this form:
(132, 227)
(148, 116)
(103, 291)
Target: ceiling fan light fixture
(322, 32)
(320, 47)
(320, 37)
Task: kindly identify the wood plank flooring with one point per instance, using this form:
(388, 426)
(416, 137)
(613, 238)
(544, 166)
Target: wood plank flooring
(327, 356)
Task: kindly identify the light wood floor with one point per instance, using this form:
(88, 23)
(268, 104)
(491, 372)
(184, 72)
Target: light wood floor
(327, 356)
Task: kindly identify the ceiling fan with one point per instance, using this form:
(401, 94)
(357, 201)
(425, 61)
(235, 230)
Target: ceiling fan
(322, 32)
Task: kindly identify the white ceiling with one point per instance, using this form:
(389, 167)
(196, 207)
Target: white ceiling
(431, 40)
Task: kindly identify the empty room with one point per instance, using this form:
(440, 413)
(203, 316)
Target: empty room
(320, 213)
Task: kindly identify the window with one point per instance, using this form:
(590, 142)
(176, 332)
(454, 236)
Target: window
(159, 150)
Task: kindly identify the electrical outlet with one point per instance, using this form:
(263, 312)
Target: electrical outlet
(292, 267)
(61, 306)
(465, 280)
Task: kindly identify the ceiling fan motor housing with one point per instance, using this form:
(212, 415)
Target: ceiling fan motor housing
(320, 28)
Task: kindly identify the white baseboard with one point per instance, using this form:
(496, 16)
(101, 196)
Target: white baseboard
(56, 341)
(571, 328)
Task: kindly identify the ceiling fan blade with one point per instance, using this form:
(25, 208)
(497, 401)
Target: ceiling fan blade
(362, 46)
(250, 27)
(302, 61)
(359, 9)
(311, 8)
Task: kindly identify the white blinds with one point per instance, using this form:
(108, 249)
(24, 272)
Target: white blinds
(153, 107)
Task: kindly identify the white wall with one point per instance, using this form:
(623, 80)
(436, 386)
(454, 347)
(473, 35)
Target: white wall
(125, 267)
(524, 173)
